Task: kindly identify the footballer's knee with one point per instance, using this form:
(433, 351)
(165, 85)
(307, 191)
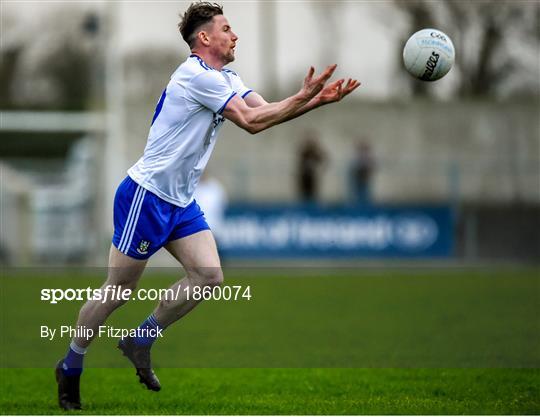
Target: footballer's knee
(205, 277)
(208, 277)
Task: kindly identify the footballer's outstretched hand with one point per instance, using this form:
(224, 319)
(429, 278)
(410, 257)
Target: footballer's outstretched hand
(336, 91)
(312, 86)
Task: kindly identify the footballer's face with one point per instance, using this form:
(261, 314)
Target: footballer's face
(223, 39)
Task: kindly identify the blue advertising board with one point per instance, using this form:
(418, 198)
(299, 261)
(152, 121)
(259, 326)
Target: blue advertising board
(300, 231)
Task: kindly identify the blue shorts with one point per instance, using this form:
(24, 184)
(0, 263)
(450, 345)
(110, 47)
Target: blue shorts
(143, 222)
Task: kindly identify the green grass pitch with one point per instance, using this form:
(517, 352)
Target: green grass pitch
(320, 341)
(285, 391)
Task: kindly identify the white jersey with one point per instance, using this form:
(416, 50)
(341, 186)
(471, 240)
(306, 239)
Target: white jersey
(184, 130)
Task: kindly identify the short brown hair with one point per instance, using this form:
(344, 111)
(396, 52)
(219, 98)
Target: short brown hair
(196, 15)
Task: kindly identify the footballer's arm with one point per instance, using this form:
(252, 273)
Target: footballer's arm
(329, 94)
(256, 119)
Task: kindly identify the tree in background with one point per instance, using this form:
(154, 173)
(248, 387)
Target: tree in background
(69, 69)
(55, 71)
(10, 53)
(497, 43)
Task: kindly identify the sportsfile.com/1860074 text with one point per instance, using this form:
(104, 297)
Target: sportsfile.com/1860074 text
(117, 292)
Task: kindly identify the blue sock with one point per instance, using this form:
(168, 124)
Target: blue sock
(146, 338)
(73, 362)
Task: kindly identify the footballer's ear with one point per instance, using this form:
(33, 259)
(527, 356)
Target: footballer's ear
(203, 38)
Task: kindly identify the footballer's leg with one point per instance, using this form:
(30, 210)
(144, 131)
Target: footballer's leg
(123, 270)
(199, 256)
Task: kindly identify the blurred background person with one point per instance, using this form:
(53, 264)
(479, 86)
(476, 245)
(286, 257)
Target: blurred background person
(360, 173)
(311, 161)
(212, 198)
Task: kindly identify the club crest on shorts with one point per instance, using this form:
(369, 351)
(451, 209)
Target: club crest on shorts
(143, 247)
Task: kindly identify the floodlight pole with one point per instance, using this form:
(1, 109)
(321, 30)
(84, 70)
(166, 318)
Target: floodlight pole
(115, 149)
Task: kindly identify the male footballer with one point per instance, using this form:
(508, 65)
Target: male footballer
(154, 205)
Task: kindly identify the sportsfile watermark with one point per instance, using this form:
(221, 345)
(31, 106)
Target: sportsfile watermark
(119, 293)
